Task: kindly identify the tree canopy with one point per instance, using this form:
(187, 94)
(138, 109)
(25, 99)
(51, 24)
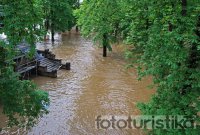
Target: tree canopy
(27, 20)
(165, 41)
(22, 101)
(58, 15)
(100, 20)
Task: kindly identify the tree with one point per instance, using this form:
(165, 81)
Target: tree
(58, 15)
(22, 101)
(166, 35)
(165, 40)
(99, 19)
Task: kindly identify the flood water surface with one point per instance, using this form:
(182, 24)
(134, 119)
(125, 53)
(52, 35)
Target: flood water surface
(94, 86)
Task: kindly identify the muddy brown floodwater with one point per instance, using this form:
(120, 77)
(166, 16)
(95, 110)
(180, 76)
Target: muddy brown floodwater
(94, 86)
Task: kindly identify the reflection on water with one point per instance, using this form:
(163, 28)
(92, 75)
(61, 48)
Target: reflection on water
(94, 86)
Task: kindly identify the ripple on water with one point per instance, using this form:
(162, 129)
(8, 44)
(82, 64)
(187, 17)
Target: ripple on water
(94, 86)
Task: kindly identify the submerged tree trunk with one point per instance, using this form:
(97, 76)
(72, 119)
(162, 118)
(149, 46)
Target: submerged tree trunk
(77, 29)
(47, 24)
(52, 32)
(52, 25)
(104, 51)
(105, 43)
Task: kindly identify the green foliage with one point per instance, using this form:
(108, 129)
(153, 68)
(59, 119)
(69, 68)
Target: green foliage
(22, 22)
(98, 18)
(22, 101)
(167, 42)
(60, 14)
(164, 37)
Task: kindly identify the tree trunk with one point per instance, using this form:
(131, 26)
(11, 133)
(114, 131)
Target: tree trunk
(52, 25)
(76, 28)
(47, 24)
(105, 42)
(52, 32)
(104, 51)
